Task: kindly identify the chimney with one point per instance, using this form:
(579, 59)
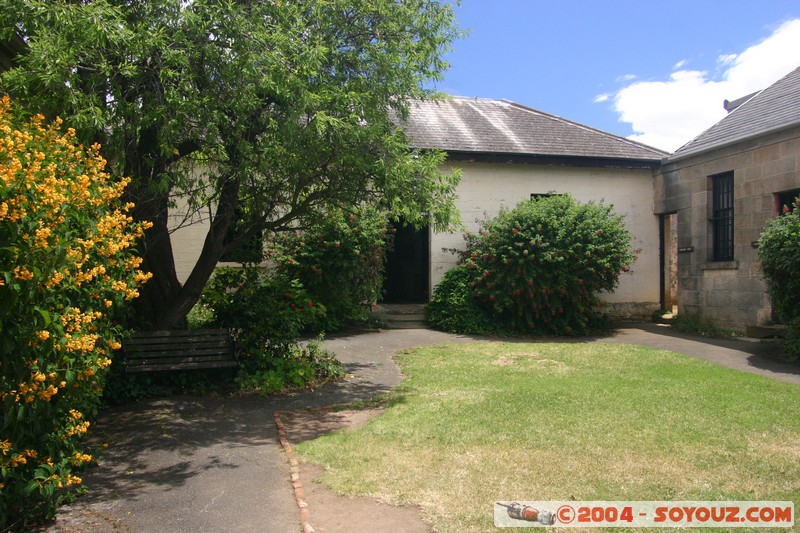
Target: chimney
(731, 105)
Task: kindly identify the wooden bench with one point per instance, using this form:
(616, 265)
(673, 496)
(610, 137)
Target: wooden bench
(152, 351)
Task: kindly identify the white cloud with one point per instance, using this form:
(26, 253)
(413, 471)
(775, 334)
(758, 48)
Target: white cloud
(602, 98)
(668, 114)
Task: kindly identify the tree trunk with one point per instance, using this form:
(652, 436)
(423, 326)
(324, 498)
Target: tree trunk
(156, 252)
(164, 303)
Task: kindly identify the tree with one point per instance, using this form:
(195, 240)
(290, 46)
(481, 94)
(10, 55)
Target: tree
(261, 114)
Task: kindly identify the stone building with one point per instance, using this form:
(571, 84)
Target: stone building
(719, 190)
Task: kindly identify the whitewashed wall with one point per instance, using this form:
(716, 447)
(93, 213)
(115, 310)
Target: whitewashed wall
(187, 237)
(485, 188)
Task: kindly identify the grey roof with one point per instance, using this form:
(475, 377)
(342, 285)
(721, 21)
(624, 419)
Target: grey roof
(489, 126)
(774, 108)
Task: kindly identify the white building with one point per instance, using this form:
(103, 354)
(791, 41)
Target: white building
(508, 152)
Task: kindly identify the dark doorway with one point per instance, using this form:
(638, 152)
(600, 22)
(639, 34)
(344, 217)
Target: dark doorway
(406, 279)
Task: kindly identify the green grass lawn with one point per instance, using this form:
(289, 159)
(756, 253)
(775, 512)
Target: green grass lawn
(477, 423)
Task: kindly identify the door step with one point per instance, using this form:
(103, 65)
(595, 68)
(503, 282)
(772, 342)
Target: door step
(401, 316)
(766, 332)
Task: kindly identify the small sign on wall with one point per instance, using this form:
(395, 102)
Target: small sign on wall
(686, 249)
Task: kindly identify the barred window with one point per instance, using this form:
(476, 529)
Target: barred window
(722, 216)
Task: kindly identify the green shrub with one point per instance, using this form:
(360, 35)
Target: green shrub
(339, 262)
(540, 266)
(291, 366)
(792, 344)
(779, 252)
(267, 313)
(453, 308)
(262, 308)
(66, 266)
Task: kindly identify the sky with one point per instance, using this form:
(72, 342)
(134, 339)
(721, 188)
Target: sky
(655, 71)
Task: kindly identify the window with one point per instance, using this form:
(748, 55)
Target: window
(785, 201)
(722, 216)
(537, 195)
(251, 251)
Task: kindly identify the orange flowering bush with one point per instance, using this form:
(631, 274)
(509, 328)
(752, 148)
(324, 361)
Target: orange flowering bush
(66, 263)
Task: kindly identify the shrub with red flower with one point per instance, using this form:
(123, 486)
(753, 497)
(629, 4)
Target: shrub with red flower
(540, 266)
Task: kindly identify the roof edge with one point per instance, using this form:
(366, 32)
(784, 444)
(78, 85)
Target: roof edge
(551, 160)
(752, 135)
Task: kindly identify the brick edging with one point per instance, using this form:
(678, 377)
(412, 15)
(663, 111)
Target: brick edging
(294, 474)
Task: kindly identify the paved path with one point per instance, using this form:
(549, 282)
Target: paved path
(190, 464)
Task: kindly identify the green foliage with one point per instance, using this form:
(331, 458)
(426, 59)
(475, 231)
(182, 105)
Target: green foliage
(66, 266)
(453, 308)
(122, 387)
(267, 314)
(339, 262)
(261, 308)
(792, 343)
(200, 317)
(262, 114)
(291, 366)
(540, 266)
(779, 252)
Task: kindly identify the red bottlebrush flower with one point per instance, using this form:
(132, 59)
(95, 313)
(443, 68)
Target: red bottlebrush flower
(352, 217)
(310, 303)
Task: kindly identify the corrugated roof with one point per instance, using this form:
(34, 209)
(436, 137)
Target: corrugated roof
(774, 108)
(489, 126)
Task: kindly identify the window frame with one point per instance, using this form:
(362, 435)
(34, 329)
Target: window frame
(785, 198)
(722, 217)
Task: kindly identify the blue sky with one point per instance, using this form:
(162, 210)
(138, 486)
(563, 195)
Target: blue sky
(652, 70)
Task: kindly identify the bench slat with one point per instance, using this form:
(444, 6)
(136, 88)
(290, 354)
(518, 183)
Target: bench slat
(177, 354)
(208, 347)
(178, 350)
(182, 366)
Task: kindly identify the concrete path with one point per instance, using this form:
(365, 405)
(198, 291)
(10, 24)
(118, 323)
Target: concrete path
(191, 464)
